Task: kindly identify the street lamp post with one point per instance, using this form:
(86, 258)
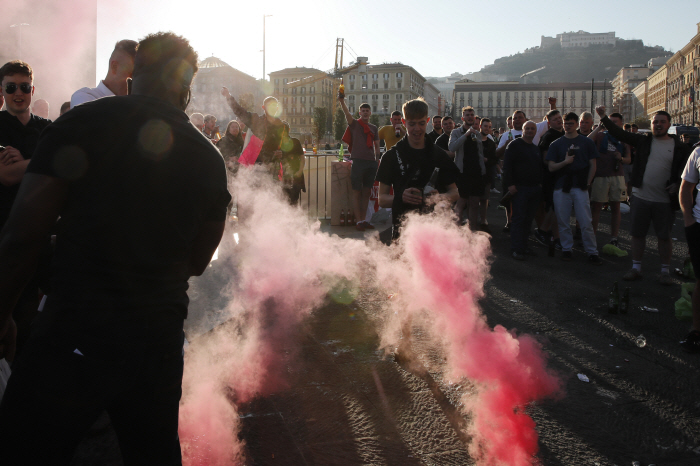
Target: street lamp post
(19, 25)
(263, 50)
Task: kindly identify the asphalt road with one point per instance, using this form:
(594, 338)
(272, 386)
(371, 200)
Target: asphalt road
(349, 404)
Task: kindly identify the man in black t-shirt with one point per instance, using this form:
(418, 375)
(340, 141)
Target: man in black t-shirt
(19, 134)
(443, 140)
(142, 197)
(408, 166)
(438, 130)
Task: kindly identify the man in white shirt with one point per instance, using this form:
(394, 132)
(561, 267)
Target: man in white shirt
(519, 120)
(121, 66)
(691, 220)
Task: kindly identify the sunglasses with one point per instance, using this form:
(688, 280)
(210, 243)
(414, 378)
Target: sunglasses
(11, 88)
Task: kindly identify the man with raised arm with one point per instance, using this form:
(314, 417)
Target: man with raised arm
(659, 159)
(362, 139)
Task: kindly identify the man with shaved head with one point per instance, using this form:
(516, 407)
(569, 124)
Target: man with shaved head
(121, 66)
(522, 177)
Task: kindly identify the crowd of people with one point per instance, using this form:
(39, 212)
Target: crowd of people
(108, 211)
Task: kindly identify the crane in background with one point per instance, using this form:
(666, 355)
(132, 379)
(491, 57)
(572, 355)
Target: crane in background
(335, 74)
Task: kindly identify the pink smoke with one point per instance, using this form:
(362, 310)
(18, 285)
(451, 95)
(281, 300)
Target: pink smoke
(284, 268)
(444, 275)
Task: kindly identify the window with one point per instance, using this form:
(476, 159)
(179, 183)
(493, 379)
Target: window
(277, 80)
(285, 90)
(398, 84)
(375, 97)
(352, 86)
(385, 96)
(399, 97)
(375, 86)
(284, 81)
(374, 108)
(312, 90)
(532, 95)
(303, 90)
(386, 85)
(399, 75)
(352, 77)
(375, 76)
(386, 76)
(539, 95)
(294, 100)
(351, 98)
(302, 121)
(294, 90)
(364, 77)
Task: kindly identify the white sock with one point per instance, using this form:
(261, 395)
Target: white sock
(637, 265)
(664, 268)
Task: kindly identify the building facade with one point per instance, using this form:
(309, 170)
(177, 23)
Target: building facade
(639, 101)
(656, 91)
(385, 87)
(498, 100)
(299, 98)
(624, 82)
(206, 91)
(579, 39)
(683, 70)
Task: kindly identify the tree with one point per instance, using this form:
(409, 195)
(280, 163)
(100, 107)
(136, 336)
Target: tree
(339, 124)
(320, 123)
(374, 119)
(642, 122)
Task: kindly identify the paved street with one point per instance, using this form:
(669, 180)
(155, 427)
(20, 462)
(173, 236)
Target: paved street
(349, 404)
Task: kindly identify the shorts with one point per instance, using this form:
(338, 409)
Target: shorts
(608, 189)
(692, 236)
(643, 213)
(362, 173)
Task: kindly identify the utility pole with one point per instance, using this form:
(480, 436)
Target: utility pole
(263, 50)
(592, 82)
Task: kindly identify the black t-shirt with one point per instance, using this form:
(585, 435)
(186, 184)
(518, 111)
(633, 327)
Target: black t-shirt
(433, 135)
(443, 141)
(142, 180)
(23, 138)
(548, 138)
(404, 167)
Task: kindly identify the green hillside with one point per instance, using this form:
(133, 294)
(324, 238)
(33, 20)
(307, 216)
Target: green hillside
(576, 64)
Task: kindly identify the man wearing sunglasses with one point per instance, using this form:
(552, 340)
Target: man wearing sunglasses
(19, 134)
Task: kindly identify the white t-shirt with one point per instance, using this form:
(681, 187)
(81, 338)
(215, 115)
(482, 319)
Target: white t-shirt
(542, 128)
(657, 172)
(88, 94)
(691, 174)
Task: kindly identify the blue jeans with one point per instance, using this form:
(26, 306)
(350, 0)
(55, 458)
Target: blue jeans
(563, 204)
(55, 395)
(525, 203)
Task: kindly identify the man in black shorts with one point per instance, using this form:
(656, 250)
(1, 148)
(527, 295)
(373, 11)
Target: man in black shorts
(467, 143)
(691, 220)
(362, 138)
(142, 197)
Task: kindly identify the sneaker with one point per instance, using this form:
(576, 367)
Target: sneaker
(542, 239)
(666, 280)
(506, 229)
(360, 226)
(557, 244)
(632, 274)
(594, 259)
(691, 344)
(495, 191)
(517, 256)
(615, 243)
(566, 256)
(368, 226)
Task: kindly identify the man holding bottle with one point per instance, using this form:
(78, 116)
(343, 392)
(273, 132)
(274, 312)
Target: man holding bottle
(391, 134)
(408, 166)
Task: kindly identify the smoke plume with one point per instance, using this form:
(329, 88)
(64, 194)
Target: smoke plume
(283, 269)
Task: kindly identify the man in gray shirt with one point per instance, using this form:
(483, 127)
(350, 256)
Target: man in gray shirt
(656, 176)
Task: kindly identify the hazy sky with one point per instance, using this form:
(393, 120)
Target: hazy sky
(437, 38)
